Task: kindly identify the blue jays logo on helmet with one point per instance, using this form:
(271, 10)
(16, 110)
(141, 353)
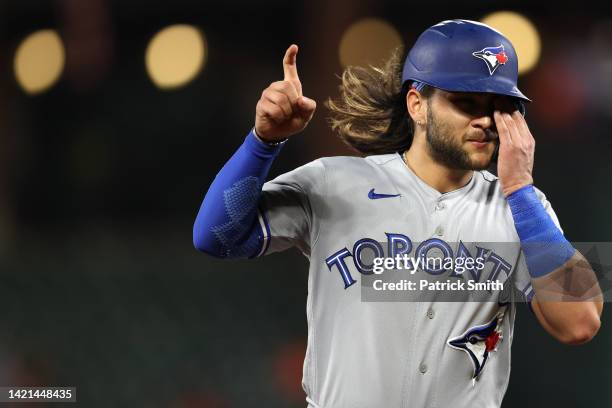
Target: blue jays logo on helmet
(479, 341)
(493, 57)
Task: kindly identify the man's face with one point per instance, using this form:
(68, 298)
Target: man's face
(461, 132)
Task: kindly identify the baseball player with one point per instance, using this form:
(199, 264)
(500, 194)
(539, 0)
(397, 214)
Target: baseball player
(431, 125)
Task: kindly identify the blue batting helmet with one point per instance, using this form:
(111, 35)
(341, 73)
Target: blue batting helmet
(464, 56)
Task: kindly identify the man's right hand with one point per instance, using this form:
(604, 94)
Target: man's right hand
(282, 110)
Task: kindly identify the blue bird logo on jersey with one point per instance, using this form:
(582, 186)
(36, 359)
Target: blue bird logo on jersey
(479, 341)
(493, 56)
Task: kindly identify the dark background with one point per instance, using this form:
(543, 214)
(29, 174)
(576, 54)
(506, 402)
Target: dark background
(102, 175)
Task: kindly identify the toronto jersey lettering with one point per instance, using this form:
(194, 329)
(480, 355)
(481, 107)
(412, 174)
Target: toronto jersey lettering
(395, 354)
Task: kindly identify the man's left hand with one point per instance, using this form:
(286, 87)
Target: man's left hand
(516, 151)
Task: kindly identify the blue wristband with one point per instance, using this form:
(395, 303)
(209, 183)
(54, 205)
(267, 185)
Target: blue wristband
(543, 244)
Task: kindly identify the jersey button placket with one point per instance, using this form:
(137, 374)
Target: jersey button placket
(438, 217)
(423, 368)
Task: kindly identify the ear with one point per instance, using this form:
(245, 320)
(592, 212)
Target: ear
(417, 106)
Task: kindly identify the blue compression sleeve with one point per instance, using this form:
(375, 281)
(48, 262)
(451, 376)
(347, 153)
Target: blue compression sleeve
(544, 246)
(226, 225)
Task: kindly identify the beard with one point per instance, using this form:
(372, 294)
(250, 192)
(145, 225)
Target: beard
(447, 150)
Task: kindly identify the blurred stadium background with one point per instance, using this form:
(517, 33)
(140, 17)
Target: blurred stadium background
(115, 117)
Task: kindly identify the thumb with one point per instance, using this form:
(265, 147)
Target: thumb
(307, 106)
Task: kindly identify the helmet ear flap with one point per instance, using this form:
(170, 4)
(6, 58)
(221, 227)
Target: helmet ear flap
(520, 106)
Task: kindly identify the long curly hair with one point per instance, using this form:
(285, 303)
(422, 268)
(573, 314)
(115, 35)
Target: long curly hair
(371, 115)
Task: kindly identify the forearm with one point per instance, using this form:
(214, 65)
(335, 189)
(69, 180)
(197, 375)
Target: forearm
(226, 224)
(569, 302)
(568, 299)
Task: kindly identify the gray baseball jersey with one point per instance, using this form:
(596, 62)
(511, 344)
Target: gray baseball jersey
(394, 354)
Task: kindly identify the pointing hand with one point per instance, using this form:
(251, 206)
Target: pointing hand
(282, 109)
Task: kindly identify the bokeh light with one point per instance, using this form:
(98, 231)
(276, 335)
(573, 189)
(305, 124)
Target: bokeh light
(39, 61)
(175, 56)
(599, 66)
(288, 363)
(522, 33)
(559, 94)
(368, 41)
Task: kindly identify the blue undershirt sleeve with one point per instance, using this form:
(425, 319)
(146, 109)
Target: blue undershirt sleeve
(227, 225)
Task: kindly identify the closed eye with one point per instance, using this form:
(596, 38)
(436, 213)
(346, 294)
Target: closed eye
(467, 105)
(465, 102)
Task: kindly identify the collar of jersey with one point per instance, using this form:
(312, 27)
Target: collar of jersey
(429, 190)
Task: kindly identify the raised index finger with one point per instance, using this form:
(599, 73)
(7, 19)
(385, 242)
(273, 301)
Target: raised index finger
(290, 67)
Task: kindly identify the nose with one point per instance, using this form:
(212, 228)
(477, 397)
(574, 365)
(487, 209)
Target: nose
(483, 122)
